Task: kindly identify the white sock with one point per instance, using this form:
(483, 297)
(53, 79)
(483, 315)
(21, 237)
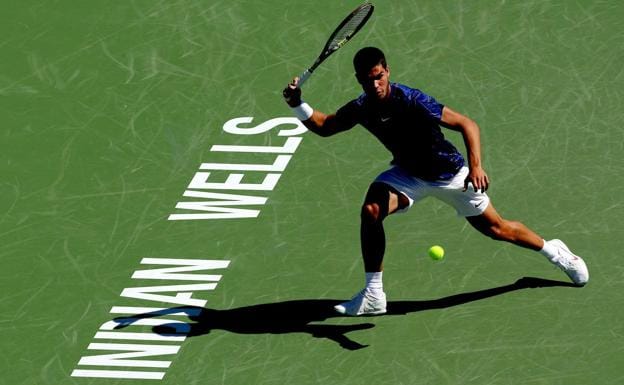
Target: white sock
(549, 251)
(374, 283)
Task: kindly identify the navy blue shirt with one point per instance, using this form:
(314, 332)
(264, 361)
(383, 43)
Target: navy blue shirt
(408, 125)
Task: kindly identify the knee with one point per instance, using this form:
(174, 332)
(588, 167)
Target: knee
(496, 232)
(371, 213)
(502, 231)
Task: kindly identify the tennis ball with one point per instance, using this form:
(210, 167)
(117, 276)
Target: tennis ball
(436, 252)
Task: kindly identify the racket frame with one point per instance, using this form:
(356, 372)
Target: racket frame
(328, 49)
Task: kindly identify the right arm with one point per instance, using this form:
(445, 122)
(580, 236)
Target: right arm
(320, 123)
(323, 124)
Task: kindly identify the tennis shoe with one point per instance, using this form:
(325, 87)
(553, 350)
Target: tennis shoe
(571, 264)
(363, 303)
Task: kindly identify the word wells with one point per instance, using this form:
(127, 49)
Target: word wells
(221, 190)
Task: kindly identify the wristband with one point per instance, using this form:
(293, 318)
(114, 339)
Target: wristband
(303, 111)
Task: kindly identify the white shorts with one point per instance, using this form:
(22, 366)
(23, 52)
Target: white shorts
(467, 203)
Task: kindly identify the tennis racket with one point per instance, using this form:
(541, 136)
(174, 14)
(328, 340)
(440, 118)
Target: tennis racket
(343, 33)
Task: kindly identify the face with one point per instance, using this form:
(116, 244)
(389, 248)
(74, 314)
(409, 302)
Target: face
(376, 83)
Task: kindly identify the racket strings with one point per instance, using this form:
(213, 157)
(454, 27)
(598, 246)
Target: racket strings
(351, 27)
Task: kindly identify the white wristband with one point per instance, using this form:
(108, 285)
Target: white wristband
(303, 111)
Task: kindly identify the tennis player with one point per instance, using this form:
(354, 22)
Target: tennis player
(407, 122)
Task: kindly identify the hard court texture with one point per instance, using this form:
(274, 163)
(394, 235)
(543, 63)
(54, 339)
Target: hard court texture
(108, 110)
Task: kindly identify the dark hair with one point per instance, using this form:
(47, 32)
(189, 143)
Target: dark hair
(368, 57)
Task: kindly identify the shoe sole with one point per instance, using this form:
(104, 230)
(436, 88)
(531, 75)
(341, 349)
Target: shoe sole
(343, 312)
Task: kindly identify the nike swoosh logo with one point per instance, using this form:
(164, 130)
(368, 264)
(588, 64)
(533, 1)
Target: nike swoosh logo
(572, 256)
(478, 204)
(385, 119)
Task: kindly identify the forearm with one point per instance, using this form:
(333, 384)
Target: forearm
(316, 121)
(472, 139)
(470, 132)
(320, 123)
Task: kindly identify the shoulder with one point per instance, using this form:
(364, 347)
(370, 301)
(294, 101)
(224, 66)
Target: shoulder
(351, 113)
(412, 94)
(421, 100)
(354, 106)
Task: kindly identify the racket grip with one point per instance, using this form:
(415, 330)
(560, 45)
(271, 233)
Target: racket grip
(304, 76)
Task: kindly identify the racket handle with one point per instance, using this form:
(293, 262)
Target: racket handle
(304, 76)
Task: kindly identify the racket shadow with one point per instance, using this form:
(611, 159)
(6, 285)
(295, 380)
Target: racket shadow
(303, 316)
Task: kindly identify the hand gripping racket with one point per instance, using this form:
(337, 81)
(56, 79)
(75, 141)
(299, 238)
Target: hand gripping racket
(343, 33)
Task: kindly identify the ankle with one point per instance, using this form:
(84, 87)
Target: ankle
(374, 283)
(549, 251)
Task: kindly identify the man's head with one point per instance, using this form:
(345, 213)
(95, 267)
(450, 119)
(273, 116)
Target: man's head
(372, 72)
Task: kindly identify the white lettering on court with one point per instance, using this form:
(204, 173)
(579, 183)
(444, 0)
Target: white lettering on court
(148, 353)
(133, 355)
(222, 205)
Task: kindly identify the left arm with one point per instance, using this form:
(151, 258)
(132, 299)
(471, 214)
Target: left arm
(470, 132)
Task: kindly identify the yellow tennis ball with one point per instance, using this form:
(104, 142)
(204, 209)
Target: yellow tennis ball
(436, 252)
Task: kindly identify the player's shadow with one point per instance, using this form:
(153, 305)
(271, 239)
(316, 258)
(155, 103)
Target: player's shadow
(300, 316)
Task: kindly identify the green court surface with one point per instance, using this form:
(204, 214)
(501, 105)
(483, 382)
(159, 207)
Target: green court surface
(108, 109)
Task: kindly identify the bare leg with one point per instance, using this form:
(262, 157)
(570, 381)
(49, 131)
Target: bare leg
(494, 226)
(373, 243)
(381, 201)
